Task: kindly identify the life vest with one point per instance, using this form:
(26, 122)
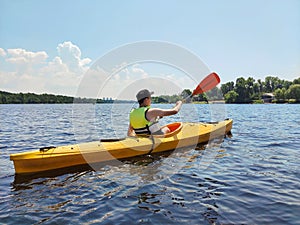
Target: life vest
(140, 123)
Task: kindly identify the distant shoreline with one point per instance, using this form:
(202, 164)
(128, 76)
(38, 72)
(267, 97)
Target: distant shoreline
(31, 98)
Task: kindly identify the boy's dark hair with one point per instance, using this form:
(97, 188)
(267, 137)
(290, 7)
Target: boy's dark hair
(142, 100)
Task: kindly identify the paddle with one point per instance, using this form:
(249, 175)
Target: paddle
(208, 83)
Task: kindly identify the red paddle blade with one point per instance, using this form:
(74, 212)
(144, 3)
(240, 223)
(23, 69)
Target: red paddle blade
(208, 83)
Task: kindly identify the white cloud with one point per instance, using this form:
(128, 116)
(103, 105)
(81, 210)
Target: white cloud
(68, 73)
(55, 66)
(21, 56)
(136, 69)
(27, 71)
(70, 55)
(2, 52)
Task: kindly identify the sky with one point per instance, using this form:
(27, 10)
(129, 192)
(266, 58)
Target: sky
(50, 46)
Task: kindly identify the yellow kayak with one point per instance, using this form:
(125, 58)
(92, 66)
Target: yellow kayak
(181, 135)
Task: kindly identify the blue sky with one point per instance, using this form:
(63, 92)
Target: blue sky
(58, 40)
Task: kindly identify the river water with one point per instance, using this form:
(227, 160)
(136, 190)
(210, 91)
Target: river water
(252, 177)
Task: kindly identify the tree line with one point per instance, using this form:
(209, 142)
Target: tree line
(251, 91)
(242, 91)
(31, 98)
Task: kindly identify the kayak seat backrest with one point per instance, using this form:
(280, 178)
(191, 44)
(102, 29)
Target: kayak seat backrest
(174, 129)
(174, 126)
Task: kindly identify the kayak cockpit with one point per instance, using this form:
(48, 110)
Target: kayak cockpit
(174, 129)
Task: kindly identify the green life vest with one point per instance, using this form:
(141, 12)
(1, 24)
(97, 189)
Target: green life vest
(139, 121)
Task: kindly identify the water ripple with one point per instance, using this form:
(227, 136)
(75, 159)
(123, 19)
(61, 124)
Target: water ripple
(251, 178)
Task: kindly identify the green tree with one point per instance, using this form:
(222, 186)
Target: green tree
(2, 98)
(272, 83)
(250, 87)
(296, 81)
(185, 93)
(159, 100)
(31, 98)
(286, 84)
(294, 92)
(280, 94)
(242, 89)
(229, 86)
(256, 88)
(268, 84)
(174, 98)
(231, 97)
(214, 94)
(260, 85)
(200, 98)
